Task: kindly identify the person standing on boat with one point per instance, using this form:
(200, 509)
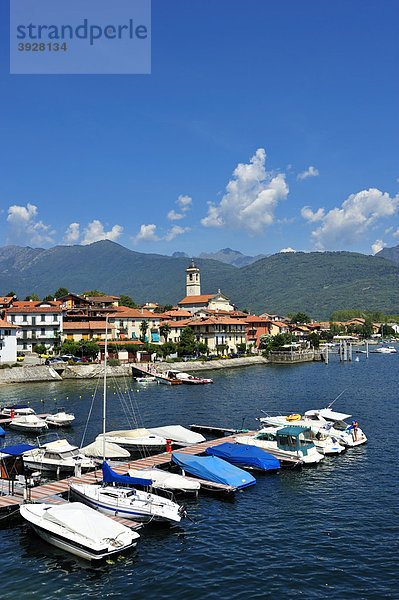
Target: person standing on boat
(354, 427)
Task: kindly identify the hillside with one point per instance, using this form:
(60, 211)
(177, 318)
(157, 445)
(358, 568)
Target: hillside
(319, 283)
(389, 253)
(106, 266)
(232, 257)
(316, 283)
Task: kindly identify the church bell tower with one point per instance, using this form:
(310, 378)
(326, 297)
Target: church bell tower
(193, 281)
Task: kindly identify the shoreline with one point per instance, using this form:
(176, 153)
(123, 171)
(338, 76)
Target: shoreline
(42, 373)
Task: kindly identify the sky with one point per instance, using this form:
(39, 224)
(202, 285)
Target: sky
(265, 125)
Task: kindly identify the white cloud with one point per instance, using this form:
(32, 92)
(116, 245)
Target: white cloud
(185, 203)
(311, 216)
(250, 199)
(146, 234)
(287, 250)
(174, 216)
(176, 230)
(72, 234)
(347, 225)
(94, 232)
(377, 246)
(396, 234)
(25, 228)
(310, 172)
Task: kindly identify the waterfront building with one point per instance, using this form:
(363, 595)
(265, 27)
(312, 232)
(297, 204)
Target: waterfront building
(8, 342)
(37, 323)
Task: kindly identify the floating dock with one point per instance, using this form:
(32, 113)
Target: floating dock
(51, 492)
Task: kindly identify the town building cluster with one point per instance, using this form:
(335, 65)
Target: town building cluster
(215, 320)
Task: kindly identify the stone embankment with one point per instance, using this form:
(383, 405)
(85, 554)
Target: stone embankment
(206, 365)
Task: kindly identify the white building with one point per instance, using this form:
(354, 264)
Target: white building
(8, 342)
(195, 301)
(37, 323)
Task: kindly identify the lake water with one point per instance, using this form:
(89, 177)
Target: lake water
(329, 531)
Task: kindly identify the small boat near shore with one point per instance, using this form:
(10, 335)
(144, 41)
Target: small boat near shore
(28, 423)
(187, 378)
(78, 529)
(60, 419)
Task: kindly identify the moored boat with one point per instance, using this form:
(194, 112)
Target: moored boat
(16, 410)
(245, 456)
(213, 469)
(135, 440)
(78, 529)
(28, 423)
(60, 419)
(58, 456)
(180, 436)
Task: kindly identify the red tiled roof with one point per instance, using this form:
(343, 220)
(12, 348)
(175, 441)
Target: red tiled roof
(136, 313)
(197, 299)
(26, 307)
(177, 313)
(7, 325)
(102, 298)
(5, 299)
(255, 319)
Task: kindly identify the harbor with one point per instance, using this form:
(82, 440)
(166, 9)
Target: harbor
(233, 402)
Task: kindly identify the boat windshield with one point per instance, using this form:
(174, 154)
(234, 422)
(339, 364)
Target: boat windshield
(289, 441)
(264, 436)
(340, 425)
(305, 438)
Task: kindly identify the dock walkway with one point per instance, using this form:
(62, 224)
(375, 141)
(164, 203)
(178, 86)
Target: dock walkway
(57, 488)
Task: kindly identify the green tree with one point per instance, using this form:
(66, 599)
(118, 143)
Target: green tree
(202, 348)
(33, 297)
(367, 329)
(187, 344)
(12, 295)
(314, 340)
(94, 293)
(165, 330)
(127, 301)
(70, 347)
(143, 329)
(39, 349)
(300, 318)
(48, 298)
(89, 349)
(62, 291)
(168, 348)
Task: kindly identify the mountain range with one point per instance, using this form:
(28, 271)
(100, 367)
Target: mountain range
(390, 253)
(316, 282)
(226, 255)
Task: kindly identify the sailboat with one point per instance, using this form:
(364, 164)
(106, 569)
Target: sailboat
(115, 496)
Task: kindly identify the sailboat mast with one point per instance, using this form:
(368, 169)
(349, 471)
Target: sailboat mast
(105, 383)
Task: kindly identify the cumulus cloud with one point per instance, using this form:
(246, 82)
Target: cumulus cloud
(184, 203)
(72, 234)
(310, 172)
(25, 228)
(176, 230)
(288, 250)
(250, 199)
(377, 246)
(347, 225)
(146, 234)
(94, 232)
(311, 216)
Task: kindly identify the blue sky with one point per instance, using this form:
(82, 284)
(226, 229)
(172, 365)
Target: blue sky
(265, 125)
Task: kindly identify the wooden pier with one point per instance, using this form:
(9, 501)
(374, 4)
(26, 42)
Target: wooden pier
(50, 492)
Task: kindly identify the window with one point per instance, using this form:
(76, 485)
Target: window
(24, 336)
(12, 318)
(43, 317)
(7, 332)
(42, 331)
(33, 320)
(55, 318)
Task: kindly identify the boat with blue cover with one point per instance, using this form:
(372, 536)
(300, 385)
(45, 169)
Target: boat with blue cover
(213, 469)
(245, 456)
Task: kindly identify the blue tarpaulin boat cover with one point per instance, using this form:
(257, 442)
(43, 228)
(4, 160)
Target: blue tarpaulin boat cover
(243, 455)
(214, 469)
(17, 450)
(109, 476)
(2, 432)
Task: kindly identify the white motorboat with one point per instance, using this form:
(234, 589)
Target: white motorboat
(163, 480)
(16, 410)
(386, 350)
(135, 440)
(117, 498)
(60, 419)
(188, 378)
(180, 436)
(324, 442)
(147, 379)
(28, 424)
(58, 456)
(334, 423)
(291, 441)
(79, 529)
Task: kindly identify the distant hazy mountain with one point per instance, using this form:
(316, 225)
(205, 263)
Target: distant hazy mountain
(316, 283)
(232, 257)
(389, 253)
(179, 255)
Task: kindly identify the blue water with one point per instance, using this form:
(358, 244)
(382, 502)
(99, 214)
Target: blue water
(329, 531)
